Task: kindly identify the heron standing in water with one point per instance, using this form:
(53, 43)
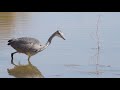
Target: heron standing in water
(31, 46)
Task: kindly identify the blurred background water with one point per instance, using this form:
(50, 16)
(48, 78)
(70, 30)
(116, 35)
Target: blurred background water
(77, 56)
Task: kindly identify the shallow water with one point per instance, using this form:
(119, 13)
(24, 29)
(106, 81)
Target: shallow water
(75, 57)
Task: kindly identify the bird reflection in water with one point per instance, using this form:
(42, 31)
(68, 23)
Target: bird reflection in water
(25, 71)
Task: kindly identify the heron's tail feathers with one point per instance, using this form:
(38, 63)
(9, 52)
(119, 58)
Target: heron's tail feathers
(10, 41)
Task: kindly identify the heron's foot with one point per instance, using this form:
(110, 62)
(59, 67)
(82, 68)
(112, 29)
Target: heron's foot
(13, 63)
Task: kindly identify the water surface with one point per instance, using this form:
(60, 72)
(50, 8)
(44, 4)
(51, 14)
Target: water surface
(77, 56)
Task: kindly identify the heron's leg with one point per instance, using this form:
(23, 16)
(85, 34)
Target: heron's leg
(29, 58)
(12, 57)
(29, 62)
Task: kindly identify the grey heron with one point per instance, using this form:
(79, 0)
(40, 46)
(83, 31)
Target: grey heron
(31, 46)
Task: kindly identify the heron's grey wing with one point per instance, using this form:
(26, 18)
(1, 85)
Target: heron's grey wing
(22, 47)
(26, 44)
(27, 40)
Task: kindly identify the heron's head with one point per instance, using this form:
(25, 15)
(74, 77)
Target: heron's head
(59, 34)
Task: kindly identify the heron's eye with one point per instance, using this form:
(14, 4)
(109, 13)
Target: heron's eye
(40, 45)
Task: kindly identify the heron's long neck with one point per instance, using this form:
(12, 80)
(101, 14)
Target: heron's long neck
(49, 41)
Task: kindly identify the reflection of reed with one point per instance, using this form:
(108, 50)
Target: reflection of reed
(97, 54)
(7, 20)
(9, 23)
(97, 58)
(25, 71)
